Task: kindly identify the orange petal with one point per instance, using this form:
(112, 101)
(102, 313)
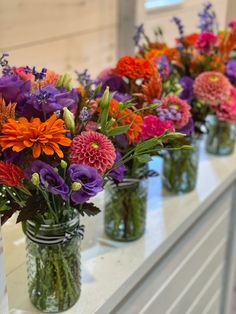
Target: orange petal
(36, 150)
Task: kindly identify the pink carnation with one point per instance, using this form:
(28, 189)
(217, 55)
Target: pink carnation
(93, 149)
(180, 106)
(206, 41)
(212, 87)
(153, 126)
(227, 110)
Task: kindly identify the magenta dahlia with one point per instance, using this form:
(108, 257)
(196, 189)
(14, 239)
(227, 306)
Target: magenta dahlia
(154, 126)
(212, 88)
(178, 110)
(93, 149)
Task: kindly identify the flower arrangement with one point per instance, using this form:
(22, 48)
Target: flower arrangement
(58, 147)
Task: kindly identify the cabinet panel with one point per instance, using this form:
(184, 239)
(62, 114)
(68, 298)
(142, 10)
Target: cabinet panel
(189, 265)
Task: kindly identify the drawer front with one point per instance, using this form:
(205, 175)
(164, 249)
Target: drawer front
(174, 284)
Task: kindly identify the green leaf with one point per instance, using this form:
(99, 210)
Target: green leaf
(144, 158)
(89, 209)
(34, 206)
(118, 130)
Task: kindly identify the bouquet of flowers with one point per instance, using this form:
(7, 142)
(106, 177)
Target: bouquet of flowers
(59, 146)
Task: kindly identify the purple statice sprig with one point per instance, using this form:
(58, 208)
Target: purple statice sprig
(168, 114)
(207, 18)
(6, 69)
(84, 114)
(179, 25)
(38, 75)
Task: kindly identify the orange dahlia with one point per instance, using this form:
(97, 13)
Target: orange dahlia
(133, 67)
(127, 117)
(40, 136)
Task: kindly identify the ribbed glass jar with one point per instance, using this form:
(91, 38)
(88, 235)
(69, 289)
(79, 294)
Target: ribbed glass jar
(221, 137)
(125, 208)
(53, 269)
(180, 168)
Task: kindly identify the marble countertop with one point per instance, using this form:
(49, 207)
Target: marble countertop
(111, 269)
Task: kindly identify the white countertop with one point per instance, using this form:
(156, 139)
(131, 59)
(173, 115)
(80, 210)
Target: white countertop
(111, 269)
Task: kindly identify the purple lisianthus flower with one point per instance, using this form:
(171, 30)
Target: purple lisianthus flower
(47, 175)
(13, 89)
(121, 97)
(230, 71)
(89, 178)
(12, 157)
(117, 174)
(163, 66)
(122, 140)
(188, 128)
(50, 99)
(187, 84)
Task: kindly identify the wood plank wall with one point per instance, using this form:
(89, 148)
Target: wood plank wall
(65, 35)
(60, 34)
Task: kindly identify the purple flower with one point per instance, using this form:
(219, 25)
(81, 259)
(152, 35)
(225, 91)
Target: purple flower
(90, 180)
(207, 18)
(49, 99)
(114, 82)
(13, 157)
(138, 34)
(47, 175)
(187, 84)
(13, 89)
(121, 97)
(163, 66)
(188, 128)
(179, 25)
(117, 174)
(230, 71)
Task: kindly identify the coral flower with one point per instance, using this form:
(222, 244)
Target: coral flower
(181, 110)
(10, 174)
(226, 111)
(40, 136)
(134, 68)
(126, 117)
(93, 149)
(212, 88)
(6, 112)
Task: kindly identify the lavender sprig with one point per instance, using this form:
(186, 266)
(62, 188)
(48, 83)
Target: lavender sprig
(38, 75)
(138, 35)
(6, 69)
(207, 18)
(179, 25)
(84, 78)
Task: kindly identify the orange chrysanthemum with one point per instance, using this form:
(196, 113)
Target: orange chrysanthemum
(134, 68)
(40, 136)
(190, 39)
(6, 112)
(199, 65)
(126, 117)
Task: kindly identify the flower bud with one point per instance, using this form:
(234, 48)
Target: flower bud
(35, 179)
(63, 164)
(64, 81)
(68, 117)
(76, 186)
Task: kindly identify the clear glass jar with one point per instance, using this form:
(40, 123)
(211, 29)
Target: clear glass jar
(221, 137)
(53, 269)
(125, 208)
(180, 169)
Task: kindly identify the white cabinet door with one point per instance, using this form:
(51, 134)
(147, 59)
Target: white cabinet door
(3, 288)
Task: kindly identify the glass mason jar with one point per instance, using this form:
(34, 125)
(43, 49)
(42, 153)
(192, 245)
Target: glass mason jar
(125, 207)
(180, 168)
(221, 137)
(53, 265)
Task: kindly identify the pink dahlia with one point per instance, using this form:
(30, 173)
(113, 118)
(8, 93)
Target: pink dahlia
(232, 24)
(212, 87)
(93, 149)
(178, 110)
(206, 41)
(154, 126)
(226, 111)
